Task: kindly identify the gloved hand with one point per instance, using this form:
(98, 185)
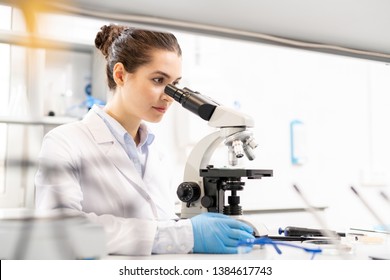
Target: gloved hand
(218, 233)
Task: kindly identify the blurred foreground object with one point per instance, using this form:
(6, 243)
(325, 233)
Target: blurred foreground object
(55, 234)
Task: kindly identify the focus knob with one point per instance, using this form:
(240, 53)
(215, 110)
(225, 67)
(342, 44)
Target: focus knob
(207, 201)
(188, 192)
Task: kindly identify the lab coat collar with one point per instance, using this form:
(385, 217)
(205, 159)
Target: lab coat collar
(98, 128)
(118, 131)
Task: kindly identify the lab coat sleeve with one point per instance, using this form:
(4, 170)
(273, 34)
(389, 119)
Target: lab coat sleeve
(174, 237)
(120, 234)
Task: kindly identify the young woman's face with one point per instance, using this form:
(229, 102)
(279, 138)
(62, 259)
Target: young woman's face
(143, 94)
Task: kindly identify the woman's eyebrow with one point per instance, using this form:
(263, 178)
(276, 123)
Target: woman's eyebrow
(161, 73)
(164, 74)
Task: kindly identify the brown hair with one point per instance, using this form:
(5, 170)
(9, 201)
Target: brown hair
(132, 47)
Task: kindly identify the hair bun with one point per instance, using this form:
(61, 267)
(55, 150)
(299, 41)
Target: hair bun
(106, 36)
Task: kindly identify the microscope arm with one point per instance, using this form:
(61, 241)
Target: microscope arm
(201, 154)
(229, 123)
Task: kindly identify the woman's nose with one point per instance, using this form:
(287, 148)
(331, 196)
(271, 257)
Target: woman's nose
(167, 98)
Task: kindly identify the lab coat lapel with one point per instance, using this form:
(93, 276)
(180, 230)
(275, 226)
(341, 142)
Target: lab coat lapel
(121, 160)
(114, 151)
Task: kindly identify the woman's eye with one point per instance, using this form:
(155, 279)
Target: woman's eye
(158, 80)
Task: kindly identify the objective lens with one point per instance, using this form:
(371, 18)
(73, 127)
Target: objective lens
(237, 148)
(249, 152)
(232, 156)
(251, 142)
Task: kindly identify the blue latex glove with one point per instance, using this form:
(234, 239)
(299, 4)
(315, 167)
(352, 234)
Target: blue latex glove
(217, 233)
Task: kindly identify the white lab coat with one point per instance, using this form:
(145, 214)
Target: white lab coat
(83, 167)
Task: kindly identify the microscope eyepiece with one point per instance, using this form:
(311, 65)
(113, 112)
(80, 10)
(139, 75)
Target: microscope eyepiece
(173, 92)
(194, 101)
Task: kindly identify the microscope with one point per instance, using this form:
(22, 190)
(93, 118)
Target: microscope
(203, 188)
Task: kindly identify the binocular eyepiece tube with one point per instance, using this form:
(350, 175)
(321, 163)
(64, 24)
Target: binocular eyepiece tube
(193, 101)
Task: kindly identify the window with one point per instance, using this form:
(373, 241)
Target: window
(34, 82)
(5, 24)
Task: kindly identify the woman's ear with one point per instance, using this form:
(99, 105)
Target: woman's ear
(118, 73)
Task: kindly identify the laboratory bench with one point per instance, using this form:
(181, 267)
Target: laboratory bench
(360, 252)
(25, 233)
(348, 249)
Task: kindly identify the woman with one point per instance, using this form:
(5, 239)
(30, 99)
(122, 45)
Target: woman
(106, 166)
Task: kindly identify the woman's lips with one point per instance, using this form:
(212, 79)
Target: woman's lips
(161, 109)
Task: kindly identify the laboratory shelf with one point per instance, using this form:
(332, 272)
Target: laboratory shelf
(36, 121)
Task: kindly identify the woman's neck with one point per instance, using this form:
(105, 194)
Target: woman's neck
(130, 124)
